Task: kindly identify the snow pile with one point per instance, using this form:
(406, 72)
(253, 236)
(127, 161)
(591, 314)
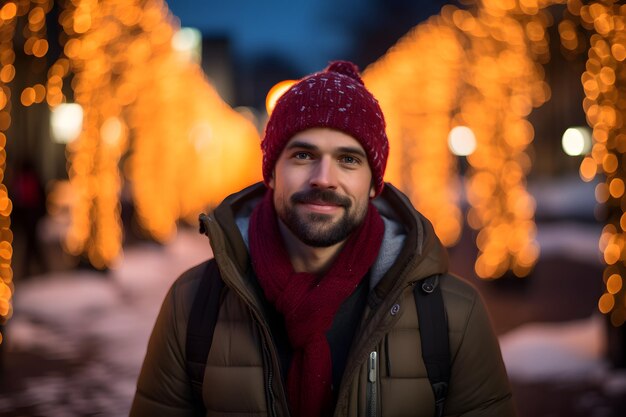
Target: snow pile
(547, 351)
(575, 241)
(98, 325)
(571, 352)
(564, 197)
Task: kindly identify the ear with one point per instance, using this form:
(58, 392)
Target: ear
(372, 191)
(271, 182)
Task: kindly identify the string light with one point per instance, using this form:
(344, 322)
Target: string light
(604, 84)
(505, 43)
(94, 156)
(35, 45)
(8, 23)
(504, 83)
(475, 70)
(149, 109)
(138, 93)
(418, 97)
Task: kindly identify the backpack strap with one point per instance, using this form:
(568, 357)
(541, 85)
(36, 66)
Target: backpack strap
(201, 325)
(433, 326)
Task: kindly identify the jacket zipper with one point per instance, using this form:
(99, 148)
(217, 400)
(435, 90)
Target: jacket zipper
(371, 395)
(269, 381)
(354, 361)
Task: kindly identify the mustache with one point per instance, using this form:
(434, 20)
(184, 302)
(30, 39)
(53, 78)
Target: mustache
(325, 196)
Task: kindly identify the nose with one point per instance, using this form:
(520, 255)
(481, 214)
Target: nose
(324, 174)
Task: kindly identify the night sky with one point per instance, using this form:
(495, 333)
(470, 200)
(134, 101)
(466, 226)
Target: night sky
(305, 34)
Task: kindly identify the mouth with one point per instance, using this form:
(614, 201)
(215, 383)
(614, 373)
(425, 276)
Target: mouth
(321, 206)
(321, 200)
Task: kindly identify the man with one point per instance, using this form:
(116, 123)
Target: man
(319, 263)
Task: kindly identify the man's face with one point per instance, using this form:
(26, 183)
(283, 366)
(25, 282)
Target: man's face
(322, 185)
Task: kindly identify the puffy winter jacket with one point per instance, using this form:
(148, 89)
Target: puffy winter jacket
(243, 372)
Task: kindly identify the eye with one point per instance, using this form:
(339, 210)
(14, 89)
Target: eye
(301, 155)
(349, 160)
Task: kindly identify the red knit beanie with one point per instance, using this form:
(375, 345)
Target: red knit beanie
(335, 98)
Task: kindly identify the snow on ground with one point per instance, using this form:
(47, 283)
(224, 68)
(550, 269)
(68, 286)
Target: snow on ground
(571, 353)
(570, 200)
(564, 197)
(98, 323)
(572, 240)
(547, 351)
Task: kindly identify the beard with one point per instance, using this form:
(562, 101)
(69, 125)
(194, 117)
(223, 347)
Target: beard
(316, 229)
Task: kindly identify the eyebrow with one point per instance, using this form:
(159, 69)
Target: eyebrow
(342, 149)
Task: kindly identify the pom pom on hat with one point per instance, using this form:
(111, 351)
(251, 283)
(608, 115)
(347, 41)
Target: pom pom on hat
(345, 68)
(335, 98)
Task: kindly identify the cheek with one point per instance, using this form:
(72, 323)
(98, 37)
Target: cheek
(280, 192)
(366, 187)
(278, 185)
(288, 181)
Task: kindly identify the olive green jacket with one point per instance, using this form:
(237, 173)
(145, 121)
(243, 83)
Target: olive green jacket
(243, 376)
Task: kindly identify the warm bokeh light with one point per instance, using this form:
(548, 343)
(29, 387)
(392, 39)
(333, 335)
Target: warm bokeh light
(275, 92)
(576, 141)
(8, 11)
(604, 84)
(614, 284)
(142, 107)
(462, 141)
(66, 122)
(475, 68)
(417, 84)
(9, 14)
(153, 131)
(149, 111)
(504, 82)
(188, 42)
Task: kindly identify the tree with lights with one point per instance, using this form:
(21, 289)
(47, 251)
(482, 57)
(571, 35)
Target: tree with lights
(154, 125)
(151, 122)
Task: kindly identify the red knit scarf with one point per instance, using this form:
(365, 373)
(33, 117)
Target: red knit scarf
(309, 303)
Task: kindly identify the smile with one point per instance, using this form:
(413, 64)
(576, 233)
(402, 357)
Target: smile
(321, 207)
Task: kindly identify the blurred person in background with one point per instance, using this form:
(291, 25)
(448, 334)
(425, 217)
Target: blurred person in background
(29, 207)
(317, 314)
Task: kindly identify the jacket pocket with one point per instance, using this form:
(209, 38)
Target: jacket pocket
(372, 381)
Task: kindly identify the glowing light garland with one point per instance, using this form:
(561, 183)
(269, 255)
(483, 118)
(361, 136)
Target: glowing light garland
(149, 109)
(93, 158)
(418, 97)
(8, 20)
(142, 96)
(506, 41)
(604, 83)
(212, 150)
(35, 46)
(475, 69)
(503, 84)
